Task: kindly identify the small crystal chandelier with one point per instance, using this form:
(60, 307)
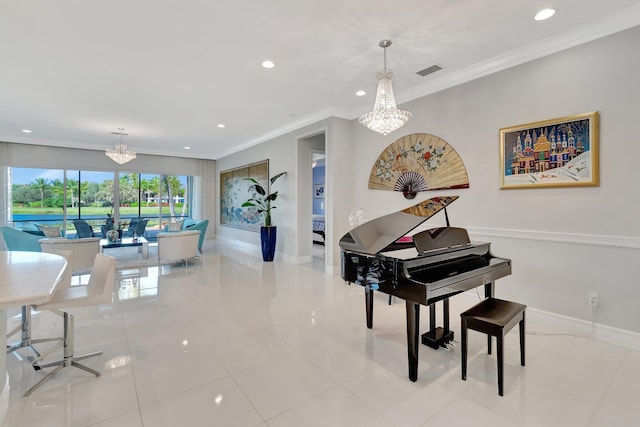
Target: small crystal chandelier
(385, 117)
(120, 154)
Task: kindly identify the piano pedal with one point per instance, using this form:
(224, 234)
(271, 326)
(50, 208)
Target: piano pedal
(451, 345)
(438, 338)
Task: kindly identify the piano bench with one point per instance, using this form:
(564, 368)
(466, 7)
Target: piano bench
(494, 317)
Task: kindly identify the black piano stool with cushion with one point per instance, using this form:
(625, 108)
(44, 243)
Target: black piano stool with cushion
(494, 317)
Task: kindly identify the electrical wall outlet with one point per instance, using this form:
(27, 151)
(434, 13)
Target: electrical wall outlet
(593, 300)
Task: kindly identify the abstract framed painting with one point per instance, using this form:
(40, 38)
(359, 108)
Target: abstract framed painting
(234, 191)
(560, 152)
(318, 191)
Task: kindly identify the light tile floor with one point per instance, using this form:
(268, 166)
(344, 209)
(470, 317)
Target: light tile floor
(233, 341)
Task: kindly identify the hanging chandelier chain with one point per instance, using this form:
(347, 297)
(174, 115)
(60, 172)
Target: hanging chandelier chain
(385, 59)
(385, 44)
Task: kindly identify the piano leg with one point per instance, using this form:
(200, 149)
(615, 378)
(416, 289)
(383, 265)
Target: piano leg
(489, 289)
(368, 301)
(489, 292)
(432, 322)
(445, 318)
(413, 334)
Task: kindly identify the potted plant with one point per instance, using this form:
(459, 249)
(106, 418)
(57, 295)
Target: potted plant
(262, 200)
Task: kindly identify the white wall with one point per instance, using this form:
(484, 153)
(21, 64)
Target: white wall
(599, 225)
(282, 155)
(340, 188)
(285, 153)
(564, 242)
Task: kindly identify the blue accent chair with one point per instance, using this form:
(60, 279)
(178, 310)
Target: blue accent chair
(18, 240)
(83, 229)
(202, 227)
(137, 225)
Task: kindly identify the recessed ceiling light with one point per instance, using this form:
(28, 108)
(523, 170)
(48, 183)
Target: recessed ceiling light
(268, 64)
(187, 148)
(544, 14)
(222, 125)
(361, 93)
(26, 131)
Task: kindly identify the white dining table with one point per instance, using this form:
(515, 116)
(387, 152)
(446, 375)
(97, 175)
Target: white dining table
(25, 278)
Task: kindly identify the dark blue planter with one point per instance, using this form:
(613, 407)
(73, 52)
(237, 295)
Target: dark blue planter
(268, 239)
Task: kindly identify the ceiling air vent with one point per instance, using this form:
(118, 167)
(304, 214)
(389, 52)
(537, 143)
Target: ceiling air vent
(429, 70)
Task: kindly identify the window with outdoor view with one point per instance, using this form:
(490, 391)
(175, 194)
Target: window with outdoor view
(40, 196)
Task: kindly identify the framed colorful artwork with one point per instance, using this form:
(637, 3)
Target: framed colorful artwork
(560, 152)
(234, 191)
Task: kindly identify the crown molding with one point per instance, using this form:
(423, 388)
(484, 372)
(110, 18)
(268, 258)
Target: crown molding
(610, 24)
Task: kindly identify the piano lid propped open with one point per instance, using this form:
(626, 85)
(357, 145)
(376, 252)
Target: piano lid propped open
(376, 235)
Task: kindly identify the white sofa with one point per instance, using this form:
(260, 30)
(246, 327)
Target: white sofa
(179, 245)
(83, 251)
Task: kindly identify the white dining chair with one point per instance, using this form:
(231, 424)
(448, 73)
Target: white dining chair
(80, 254)
(98, 291)
(84, 251)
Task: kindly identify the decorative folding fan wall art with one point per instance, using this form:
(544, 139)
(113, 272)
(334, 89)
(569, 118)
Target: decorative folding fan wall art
(418, 162)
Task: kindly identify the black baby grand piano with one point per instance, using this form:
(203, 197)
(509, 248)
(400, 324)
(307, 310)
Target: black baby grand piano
(435, 265)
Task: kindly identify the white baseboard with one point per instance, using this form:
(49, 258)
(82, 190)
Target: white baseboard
(295, 260)
(245, 247)
(256, 251)
(604, 333)
(561, 324)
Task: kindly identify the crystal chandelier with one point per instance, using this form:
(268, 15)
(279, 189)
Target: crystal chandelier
(385, 117)
(120, 154)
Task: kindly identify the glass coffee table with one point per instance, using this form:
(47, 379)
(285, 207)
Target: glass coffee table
(127, 242)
